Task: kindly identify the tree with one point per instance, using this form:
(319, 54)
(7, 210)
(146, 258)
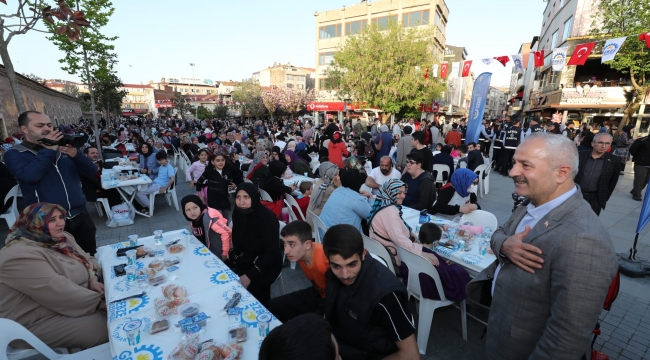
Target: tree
(204, 113)
(385, 67)
(70, 89)
(85, 102)
(220, 111)
(36, 78)
(271, 99)
(293, 100)
(107, 89)
(614, 19)
(181, 104)
(249, 94)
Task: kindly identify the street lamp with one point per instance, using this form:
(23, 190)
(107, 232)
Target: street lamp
(196, 108)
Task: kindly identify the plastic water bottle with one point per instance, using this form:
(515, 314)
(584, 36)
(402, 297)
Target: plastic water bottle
(424, 217)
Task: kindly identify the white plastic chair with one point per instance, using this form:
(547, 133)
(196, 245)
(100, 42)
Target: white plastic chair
(177, 155)
(318, 225)
(438, 169)
(379, 259)
(103, 202)
(315, 167)
(481, 184)
(417, 264)
(170, 195)
(486, 181)
(291, 203)
(265, 196)
(462, 165)
(12, 213)
(481, 218)
(375, 247)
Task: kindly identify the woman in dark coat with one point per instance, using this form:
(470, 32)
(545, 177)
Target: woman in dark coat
(255, 254)
(273, 183)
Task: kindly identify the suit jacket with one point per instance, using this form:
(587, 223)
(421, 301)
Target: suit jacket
(608, 176)
(549, 314)
(404, 148)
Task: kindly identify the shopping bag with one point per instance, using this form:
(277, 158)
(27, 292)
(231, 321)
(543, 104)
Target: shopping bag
(121, 215)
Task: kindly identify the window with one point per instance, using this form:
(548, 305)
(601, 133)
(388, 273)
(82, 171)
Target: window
(415, 18)
(561, 3)
(300, 86)
(289, 77)
(437, 19)
(567, 29)
(323, 84)
(330, 31)
(325, 58)
(383, 21)
(289, 85)
(442, 27)
(355, 27)
(554, 41)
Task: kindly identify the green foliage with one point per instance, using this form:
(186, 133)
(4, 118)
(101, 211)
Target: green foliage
(220, 111)
(85, 102)
(249, 94)
(108, 95)
(181, 104)
(386, 67)
(204, 113)
(71, 90)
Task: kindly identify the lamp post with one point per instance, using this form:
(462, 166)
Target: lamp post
(196, 108)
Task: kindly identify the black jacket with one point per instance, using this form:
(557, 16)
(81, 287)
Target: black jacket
(474, 159)
(218, 197)
(640, 150)
(608, 176)
(444, 197)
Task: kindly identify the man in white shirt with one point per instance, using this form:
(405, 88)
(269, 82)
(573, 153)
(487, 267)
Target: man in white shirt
(384, 172)
(411, 123)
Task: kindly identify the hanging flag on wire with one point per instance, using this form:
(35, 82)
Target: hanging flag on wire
(524, 59)
(558, 58)
(519, 65)
(612, 46)
(434, 70)
(487, 61)
(581, 53)
(645, 37)
(455, 69)
(444, 67)
(502, 59)
(467, 65)
(539, 58)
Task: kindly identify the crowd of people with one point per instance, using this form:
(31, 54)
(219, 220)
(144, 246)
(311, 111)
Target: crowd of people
(362, 176)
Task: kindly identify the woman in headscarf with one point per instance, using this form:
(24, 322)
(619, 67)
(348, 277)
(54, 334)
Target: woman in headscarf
(48, 284)
(276, 154)
(258, 170)
(384, 141)
(458, 195)
(255, 255)
(208, 225)
(297, 164)
(337, 149)
(387, 225)
(323, 188)
(623, 143)
(311, 146)
(148, 163)
(291, 145)
(273, 183)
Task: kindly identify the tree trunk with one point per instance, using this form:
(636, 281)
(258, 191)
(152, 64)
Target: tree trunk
(11, 76)
(631, 110)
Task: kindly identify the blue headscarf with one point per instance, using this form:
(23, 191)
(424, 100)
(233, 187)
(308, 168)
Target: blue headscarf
(388, 196)
(462, 179)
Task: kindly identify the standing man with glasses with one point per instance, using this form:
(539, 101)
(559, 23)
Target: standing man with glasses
(598, 172)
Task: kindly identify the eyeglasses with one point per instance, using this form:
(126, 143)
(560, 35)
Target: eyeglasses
(411, 162)
(600, 143)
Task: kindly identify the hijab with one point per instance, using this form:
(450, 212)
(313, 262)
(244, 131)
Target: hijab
(386, 197)
(149, 148)
(294, 158)
(277, 168)
(336, 137)
(384, 128)
(196, 200)
(256, 164)
(327, 172)
(240, 213)
(462, 179)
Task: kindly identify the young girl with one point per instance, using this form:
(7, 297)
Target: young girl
(218, 180)
(208, 225)
(194, 172)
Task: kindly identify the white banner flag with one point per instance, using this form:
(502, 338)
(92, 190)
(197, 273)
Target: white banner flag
(612, 46)
(435, 70)
(559, 58)
(487, 61)
(519, 64)
(455, 69)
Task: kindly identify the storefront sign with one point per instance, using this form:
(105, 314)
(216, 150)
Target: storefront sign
(325, 106)
(590, 96)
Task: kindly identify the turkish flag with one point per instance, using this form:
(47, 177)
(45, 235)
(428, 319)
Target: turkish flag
(466, 66)
(645, 37)
(539, 58)
(443, 70)
(502, 59)
(581, 53)
(426, 73)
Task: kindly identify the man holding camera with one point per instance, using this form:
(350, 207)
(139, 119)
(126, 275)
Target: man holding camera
(50, 172)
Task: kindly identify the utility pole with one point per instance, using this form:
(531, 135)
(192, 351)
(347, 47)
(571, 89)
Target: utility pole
(196, 108)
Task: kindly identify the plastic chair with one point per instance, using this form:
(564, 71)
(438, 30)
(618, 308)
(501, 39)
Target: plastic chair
(265, 196)
(481, 184)
(375, 247)
(379, 259)
(315, 167)
(170, 195)
(291, 203)
(318, 225)
(486, 181)
(103, 202)
(462, 165)
(12, 213)
(481, 218)
(438, 170)
(417, 264)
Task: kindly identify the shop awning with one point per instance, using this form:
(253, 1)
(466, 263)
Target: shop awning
(586, 106)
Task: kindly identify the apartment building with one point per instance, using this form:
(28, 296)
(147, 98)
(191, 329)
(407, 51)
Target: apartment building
(496, 102)
(286, 75)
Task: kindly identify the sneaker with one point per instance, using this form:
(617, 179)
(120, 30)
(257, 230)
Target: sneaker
(145, 211)
(637, 199)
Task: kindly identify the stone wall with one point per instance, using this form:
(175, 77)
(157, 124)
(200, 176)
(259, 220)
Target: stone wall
(61, 108)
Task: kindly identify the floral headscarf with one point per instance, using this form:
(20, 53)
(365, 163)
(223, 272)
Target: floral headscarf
(388, 196)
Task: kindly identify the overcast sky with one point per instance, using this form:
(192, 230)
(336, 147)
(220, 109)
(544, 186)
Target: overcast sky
(229, 40)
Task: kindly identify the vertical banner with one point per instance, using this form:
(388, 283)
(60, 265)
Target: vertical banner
(477, 107)
(435, 70)
(558, 58)
(519, 65)
(444, 69)
(455, 69)
(525, 57)
(467, 65)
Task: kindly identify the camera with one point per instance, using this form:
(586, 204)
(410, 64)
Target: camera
(75, 141)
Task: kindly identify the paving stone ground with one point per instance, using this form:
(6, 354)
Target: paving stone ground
(625, 329)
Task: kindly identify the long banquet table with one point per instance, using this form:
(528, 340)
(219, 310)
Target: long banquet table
(209, 283)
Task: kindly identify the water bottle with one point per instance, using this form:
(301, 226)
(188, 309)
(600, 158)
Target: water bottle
(424, 217)
(461, 245)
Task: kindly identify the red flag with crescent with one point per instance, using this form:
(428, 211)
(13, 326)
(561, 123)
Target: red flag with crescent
(502, 59)
(444, 67)
(539, 58)
(581, 53)
(467, 65)
(645, 37)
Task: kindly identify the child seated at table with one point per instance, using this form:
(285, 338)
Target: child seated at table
(160, 184)
(305, 192)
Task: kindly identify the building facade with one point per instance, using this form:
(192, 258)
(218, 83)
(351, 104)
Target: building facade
(495, 103)
(286, 75)
(457, 98)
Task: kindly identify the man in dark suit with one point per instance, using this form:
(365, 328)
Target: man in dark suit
(598, 172)
(555, 261)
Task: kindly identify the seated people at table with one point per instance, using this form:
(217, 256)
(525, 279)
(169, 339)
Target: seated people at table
(384, 172)
(312, 148)
(462, 156)
(300, 247)
(105, 140)
(48, 284)
(297, 164)
(276, 155)
(7, 182)
(148, 163)
(307, 336)
(421, 187)
(445, 158)
(208, 225)
(152, 145)
(346, 205)
(91, 186)
(365, 303)
(458, 195)
(218, 181)
(255, 254)
(337, 149)
(437, 150)
(474, 156)
(322, 151)
(387, 225)
(257, 170)
(323, 188)
(194, 172)
(160, 145)
(453, 277)
(273, 183)
(160, 184)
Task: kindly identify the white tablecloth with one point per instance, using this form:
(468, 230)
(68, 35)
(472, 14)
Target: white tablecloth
(209, 283)
(297, 179)
(107, 183)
